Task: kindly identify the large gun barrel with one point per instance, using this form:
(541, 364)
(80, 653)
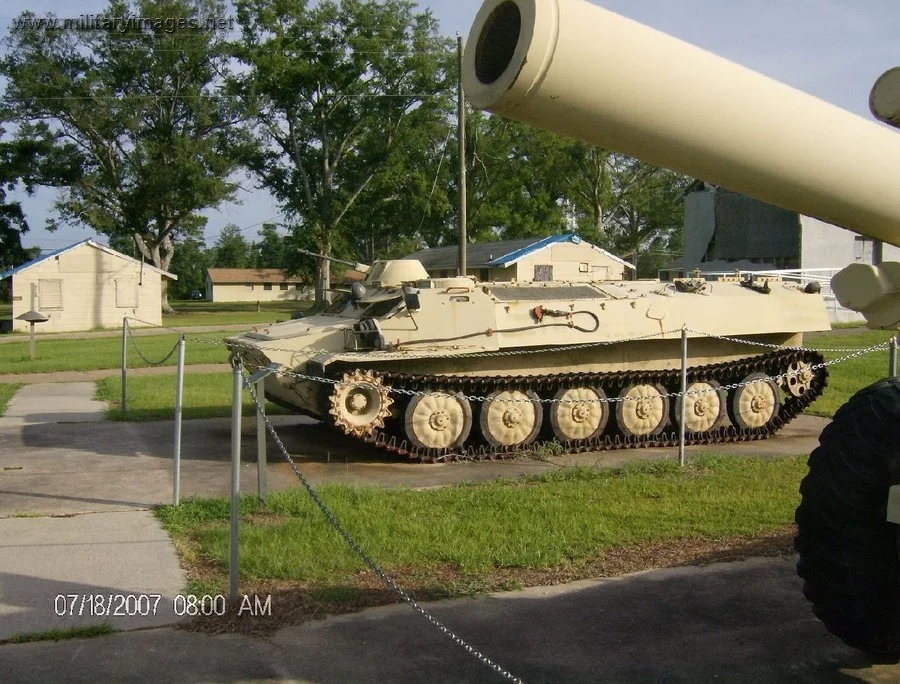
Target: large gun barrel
(579, 70)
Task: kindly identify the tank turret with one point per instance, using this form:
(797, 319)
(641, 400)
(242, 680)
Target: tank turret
(579, 70)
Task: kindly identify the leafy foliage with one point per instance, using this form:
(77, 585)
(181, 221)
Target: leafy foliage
(339, 96)
(140, 142)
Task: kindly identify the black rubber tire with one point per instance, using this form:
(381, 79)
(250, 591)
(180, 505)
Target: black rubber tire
(848, 551)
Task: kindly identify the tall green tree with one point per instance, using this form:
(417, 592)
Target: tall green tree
(623, 204)
(649, 227)
(232, 249)
(143, 142)
(269, 250)
(17, 169)
(189, 263)
(333, 91)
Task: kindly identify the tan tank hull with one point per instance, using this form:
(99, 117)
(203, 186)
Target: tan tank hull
(373, 367)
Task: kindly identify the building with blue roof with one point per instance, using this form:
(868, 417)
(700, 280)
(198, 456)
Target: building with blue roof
(557, 257)
(85, 286)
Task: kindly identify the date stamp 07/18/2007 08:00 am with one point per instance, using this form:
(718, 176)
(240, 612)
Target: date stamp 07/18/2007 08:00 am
(149, 605)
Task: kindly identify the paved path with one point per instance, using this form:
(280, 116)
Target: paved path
(163, 330)
(57, 573)
(735, 622)
(80, 376)
(740, 622)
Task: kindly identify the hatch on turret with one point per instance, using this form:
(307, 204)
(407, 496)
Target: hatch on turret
(395, 272)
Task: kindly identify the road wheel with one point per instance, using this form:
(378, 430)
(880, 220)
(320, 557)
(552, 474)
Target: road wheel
(848, 551)
(438, 420)
(642, 410)
(705, 409)
(755, 402)
(511, 417)
(578, 413)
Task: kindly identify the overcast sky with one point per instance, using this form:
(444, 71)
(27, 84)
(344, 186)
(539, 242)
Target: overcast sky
(833, 49)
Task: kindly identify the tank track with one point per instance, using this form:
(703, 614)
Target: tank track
(476, 448)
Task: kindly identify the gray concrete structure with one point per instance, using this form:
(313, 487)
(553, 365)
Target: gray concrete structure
(724, 230)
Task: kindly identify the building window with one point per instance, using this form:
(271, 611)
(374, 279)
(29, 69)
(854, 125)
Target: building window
(283, 286)
(484, 275)
(583, 267)
(297, 286)
(248, 287)
(267, 286)
(126, 294)
(543, 272)
(50, 294)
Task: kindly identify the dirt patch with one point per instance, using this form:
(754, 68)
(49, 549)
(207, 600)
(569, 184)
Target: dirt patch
(294, 602)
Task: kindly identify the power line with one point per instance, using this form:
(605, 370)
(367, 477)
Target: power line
(100, 98)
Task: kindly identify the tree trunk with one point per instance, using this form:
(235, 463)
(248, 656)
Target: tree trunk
(323, 281)
(160, 255)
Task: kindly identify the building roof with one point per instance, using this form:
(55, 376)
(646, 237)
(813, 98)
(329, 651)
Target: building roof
(225, 276)
(91, 243)
(500, 254)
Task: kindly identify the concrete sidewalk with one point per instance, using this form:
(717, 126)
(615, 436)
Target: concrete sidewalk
(70, 402)
(60, 572)
(91, 375)
(138, 331)
(740, 622)
(57, 573)
(733, 622)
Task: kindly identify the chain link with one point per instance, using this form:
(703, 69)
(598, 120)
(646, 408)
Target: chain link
(785, 347)
(518, 352)
(385, 578)
(144, 358)
(284, 372)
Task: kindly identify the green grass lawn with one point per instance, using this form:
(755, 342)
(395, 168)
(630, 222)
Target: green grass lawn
(231, 313)
(106, 352)
(6, 393)
(565, 521)
(848, 377)
(153, 397)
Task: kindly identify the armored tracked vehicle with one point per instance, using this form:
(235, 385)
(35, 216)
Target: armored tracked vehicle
(579, 70)
(448, 367)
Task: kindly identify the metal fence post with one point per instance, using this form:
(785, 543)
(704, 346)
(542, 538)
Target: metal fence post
(892, 358)
(684, 398)
(262, 481)
(179, 389)
(124, 359)
(236, 408)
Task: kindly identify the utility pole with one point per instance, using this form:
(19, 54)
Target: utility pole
(461, 138)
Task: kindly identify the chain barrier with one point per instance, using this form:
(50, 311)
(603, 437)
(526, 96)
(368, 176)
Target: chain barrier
(768, 345)
(141, 354)
(368, 560)
(852, 353)
(284, 372)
